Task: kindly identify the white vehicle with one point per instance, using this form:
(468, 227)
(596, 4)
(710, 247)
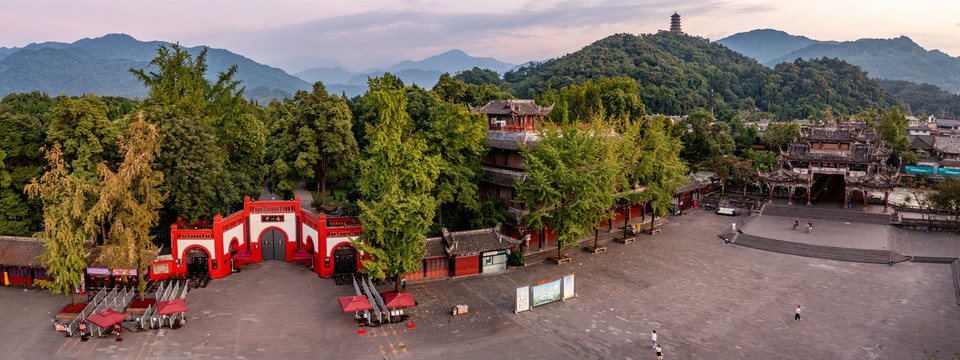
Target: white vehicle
(727, 211)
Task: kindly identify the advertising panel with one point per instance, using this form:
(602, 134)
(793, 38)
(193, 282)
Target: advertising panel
(546, 293)
(523, 299)
(568, 287)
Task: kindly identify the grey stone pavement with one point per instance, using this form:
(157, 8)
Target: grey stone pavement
(825, 232)
(706, 300)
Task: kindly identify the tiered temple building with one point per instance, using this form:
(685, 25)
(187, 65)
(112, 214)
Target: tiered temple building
(829, 157)
(675, 23)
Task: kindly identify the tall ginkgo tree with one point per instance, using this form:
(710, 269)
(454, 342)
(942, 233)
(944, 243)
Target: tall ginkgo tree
(129, 201)
(65, 204)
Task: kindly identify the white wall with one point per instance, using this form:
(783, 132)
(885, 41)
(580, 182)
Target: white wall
(205, 243)
(307, 231)
(236, 232)
(289, 226)
(332, 243)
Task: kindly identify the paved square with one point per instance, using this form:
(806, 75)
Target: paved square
(705, 299)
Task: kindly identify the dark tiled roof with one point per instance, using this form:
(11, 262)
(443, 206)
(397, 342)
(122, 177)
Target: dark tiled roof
(435, 248)
(502, 177)
(948, 122)
(921, 142)
(781, 175)
(858, 153)
(477, 241)
(508, 107)
(510, 140)
(20, 251)
(947, 145)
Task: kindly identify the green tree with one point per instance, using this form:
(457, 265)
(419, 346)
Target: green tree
(396, 181)
(457, 137)
(478, 76)
(206, 126)
(946, 195)
(703, 138)
(21, 137)
(660, 170)
(65, 203)
(778, 135)
(314, 137)
(891, 128)
(87, 135)
(569, 183)
(128, 202)
(456, 91)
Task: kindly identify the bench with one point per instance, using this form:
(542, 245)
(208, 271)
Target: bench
(627, 240)
(598, 249)
(652, 232)
(562, 260)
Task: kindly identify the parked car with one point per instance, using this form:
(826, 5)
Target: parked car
(729, 211)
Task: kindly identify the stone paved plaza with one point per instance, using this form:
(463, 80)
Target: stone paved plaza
(706, 300)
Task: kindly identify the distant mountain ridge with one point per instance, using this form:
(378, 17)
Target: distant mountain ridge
(765, 44)
(100, 65)
(424, 73)
(892, 59)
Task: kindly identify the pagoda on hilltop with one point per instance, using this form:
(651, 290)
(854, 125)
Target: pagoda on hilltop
(834, 156)
(675, 23)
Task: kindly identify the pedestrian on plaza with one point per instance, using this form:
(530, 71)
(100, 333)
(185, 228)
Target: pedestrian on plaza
(653, 338)
(810, 226)
(796, 224)
(659, 353)
(797, 317)
(733, 228)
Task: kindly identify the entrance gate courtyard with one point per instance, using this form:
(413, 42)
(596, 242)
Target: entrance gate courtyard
(274, 243)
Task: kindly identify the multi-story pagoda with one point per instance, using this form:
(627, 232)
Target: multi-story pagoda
(511, 122)
(829, 156)
(675, 23)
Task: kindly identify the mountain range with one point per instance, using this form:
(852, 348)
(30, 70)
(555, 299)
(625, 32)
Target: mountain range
(100, 65)
(892, 59)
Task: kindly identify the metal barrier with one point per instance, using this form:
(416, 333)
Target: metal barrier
(373, 302)
(87, 311)
(376, 296)
(366, 313)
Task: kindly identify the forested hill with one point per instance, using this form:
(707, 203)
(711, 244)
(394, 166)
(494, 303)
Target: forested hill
(677, 74)
(100, 66)
(894, 59)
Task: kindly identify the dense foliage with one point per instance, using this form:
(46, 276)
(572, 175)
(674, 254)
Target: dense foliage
(925, 99)
(677, 74)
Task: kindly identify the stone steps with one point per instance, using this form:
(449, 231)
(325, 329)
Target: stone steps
(819, 251)
(805, 212)
(956, 277)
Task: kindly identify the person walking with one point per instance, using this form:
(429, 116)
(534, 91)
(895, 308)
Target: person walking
(653, 338)
(659, 352)
(810, 226)
(796, 224)
(733, 228)
(797, 317)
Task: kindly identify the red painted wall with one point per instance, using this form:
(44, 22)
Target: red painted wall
(466, 265)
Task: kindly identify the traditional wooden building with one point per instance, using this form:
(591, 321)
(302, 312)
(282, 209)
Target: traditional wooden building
(845, 154)
(511, 123)
(463, 253)
(18, 261)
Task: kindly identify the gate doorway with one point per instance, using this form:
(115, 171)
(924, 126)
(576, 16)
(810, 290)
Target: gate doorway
(273, 244)
(344, 260)
(197, 263)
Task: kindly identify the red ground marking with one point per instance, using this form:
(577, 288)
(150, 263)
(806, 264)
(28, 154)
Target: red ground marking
(361, 331)
(410, 326)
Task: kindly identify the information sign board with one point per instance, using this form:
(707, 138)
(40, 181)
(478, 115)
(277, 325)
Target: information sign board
(523, 299)
(546, 293)
(568, 287)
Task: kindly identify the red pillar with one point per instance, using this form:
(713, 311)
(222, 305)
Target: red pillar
(808, 195)
(771, 194)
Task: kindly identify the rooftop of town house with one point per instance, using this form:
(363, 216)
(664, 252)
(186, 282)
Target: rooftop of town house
(858, 153)
(948, 145)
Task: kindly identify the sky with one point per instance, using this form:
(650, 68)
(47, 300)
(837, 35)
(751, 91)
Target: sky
(363, 34)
